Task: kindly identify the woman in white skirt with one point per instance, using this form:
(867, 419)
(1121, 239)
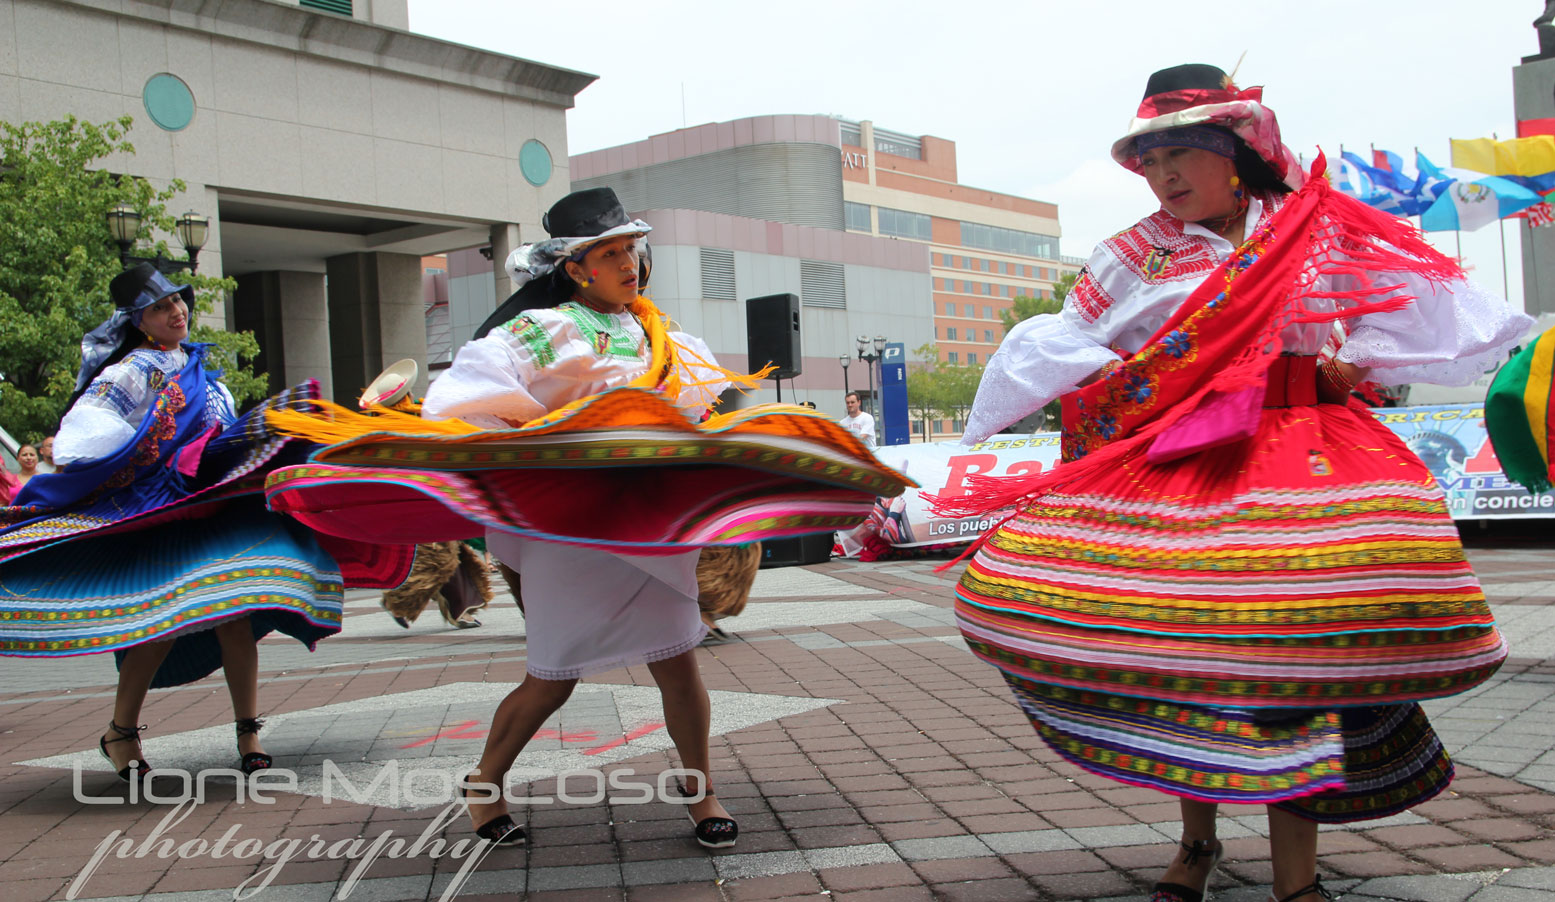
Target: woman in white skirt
(569, 332)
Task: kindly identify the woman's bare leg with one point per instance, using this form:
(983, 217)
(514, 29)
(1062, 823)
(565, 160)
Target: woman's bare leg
(1293, 847)
(688, 717)
(135, 674)
(516, 721)
(1198, 824)
(240, 665)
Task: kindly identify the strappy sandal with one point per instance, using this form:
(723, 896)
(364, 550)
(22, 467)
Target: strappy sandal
(500, 830)
(1316, 886)
(711, 832)
(1176, 892)
(253, 761)
(126, 734)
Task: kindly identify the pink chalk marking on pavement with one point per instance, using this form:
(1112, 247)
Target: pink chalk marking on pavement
(638, 733)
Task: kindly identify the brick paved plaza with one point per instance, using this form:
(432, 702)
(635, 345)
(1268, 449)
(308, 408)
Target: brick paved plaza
(865, 753)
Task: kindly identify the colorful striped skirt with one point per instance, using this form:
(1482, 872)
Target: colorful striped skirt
(1251, 624)
(172, 582)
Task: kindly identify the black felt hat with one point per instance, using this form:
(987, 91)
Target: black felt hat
(585, 214)
(142, 285)
(1188, 77)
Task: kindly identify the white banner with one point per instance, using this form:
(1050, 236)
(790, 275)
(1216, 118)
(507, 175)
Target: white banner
(1450, 438)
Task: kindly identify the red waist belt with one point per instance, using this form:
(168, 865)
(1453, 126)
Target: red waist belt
(1292, 382)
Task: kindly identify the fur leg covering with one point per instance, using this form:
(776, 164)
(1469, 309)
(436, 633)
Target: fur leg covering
(434, 564)
(468, 588)
(724, 578)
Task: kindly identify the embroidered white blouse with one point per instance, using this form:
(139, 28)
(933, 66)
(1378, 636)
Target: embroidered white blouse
(547, 358)
(111, 409)
(1137, 279)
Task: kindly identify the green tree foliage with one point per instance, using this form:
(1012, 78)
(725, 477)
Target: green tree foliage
(56, 259)
(937, 390)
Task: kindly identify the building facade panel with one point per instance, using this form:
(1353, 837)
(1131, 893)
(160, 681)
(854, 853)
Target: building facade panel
(799, 184)
(306, 135)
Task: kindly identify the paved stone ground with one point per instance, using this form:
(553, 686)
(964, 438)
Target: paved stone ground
(865, 753)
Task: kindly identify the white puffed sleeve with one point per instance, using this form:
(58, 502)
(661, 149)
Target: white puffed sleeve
(1042, 358)
(1450, 335)
(105, 417)
(486, 386)
(697, 365)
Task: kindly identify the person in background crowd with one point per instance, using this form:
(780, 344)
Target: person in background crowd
(858, 422)
(27, 456)
(46, 455)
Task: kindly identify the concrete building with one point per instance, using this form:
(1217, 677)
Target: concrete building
(1533, 86)
(870, 228)
(322, 139)
(987, 248)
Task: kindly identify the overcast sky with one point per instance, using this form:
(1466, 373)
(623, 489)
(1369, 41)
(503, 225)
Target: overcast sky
(1033, 92)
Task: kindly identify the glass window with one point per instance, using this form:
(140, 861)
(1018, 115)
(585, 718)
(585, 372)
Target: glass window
(852, 136)
(905, 224)
(1009, 241)
(988, 335)
(857, 216)
(898, 144)
(952, 357)
(966, 262)
(971, 357)
(987, 312)
(950, 333)
(984, 265)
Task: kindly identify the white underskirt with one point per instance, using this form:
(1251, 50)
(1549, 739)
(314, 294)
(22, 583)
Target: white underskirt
(587, 611)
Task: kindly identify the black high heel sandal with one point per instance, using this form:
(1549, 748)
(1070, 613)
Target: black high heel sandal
(711, 832)
(500, 830)
(126, 734)
(1176, 892)
(253, 761)
(1316, 886)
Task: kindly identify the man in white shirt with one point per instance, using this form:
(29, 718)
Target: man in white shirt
(858, 422)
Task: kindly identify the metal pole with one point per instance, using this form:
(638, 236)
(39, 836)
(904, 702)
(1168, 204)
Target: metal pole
(879, 424)
(1506, 285)
(870, 365)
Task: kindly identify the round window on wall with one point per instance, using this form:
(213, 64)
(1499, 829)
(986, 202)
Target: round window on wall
(169, 102)
(535, 162)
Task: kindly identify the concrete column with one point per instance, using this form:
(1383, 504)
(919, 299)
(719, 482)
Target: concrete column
(288, 315)
(504, 237)
(305, 329)
(256, 308)
(376, 316)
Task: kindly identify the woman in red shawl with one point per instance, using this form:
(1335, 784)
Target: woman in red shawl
(1239, 585)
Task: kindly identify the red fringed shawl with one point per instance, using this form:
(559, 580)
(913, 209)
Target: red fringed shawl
(1225, 335)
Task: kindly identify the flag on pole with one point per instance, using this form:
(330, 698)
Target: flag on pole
(1390, 191)
(1386, 161)
(1533, 155)
(1541, 215)
(1352, 179)
(1468, 205)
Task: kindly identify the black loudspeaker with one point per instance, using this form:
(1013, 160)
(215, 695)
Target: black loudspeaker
(772, 334)
(811, 549)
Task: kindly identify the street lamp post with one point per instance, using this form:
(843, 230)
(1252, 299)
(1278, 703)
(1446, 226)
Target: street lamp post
(124, 225)
(844, 360)
(870, 351)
